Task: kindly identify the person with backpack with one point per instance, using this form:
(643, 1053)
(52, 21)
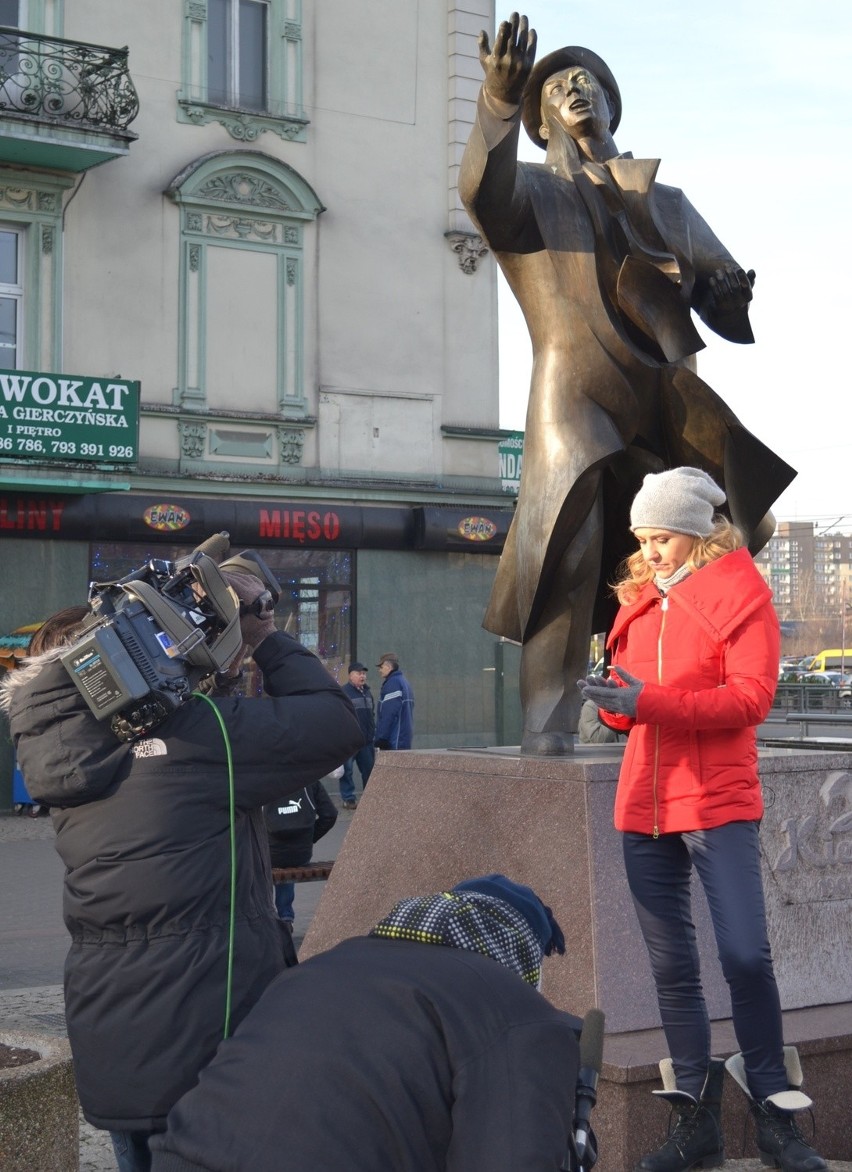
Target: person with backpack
(293, 825)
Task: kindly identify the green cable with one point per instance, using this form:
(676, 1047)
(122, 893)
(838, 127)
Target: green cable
(233, 842)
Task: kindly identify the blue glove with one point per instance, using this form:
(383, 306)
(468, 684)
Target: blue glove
(611, 696)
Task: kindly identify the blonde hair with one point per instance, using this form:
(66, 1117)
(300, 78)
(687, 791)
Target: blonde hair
(634, 572)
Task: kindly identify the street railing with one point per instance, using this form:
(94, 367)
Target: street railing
(804, 697)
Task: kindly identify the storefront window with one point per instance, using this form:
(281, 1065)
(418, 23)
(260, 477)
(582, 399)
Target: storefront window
(316, 592)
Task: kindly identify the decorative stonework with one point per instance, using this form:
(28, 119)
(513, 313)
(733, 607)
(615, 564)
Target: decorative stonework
(194, 258)
(17, 197)
(243, 127)
(194, 222)
(292, 271)
(193, 437)
(291, 442)
(46, 240)
(292, 235)
(241, 188)
(469, 247)
(240, 228)
(292, 32)
(196, 10)
(816, 863)
(46, 201)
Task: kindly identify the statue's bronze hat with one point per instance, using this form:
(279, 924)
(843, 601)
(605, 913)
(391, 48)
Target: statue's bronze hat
(554, 63)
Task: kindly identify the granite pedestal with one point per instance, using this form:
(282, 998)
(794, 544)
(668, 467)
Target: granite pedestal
(430, 819)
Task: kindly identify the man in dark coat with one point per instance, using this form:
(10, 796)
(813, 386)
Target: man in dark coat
(607, 265)
(450, 1061)
(358, 691)
(152, 890)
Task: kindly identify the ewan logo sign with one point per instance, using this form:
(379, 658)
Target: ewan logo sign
(65, 418)
(166, 518)
(476, 528)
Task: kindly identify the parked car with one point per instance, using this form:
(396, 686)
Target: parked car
(843, 682)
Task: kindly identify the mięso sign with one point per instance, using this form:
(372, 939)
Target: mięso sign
(63, 417)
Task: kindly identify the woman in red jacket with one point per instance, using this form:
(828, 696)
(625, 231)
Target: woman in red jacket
(695, 648)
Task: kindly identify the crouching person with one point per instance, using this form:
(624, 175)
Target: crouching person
(449, 1061)
(174, 935)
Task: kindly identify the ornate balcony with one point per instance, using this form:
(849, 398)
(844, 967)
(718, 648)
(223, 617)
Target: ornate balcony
(63, 104)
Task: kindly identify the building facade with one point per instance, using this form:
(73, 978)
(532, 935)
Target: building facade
(238, 292)
(811, 578)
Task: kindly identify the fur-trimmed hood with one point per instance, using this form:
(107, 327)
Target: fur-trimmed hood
(67, 757)
(24, 674)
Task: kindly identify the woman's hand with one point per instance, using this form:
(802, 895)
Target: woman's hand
(612, 695)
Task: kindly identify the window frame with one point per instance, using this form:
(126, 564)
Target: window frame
(244, 200)
(32, 205)
(15, 292)
(284, 114)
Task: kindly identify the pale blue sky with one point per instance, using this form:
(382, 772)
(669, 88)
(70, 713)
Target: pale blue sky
(749, 106)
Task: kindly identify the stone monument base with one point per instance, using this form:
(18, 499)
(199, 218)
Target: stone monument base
(430, 819)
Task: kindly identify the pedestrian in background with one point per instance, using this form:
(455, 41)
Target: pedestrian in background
(395, 724)
(358, 691)
(695, 648)
(293, 825)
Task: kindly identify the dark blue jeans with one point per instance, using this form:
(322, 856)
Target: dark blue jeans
(131, 1150)
(285, 893)
(727, 859)
(365, 759)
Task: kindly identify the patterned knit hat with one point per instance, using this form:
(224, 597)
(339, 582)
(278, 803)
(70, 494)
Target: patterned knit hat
(682, 500)
(524, 900)
(492, 925)
(477, 923)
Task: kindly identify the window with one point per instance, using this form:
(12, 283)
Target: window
(30, 269)
(10, 13)
(11, 298)
(245, 265)
(242, 67)
(236, 53)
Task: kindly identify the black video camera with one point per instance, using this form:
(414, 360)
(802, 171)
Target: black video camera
(153, 636)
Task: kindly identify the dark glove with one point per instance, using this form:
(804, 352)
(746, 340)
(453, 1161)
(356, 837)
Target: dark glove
(382, 744)
(610, 695)
(254, 628)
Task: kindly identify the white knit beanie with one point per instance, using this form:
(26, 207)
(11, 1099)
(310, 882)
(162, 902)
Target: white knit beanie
(682, 500)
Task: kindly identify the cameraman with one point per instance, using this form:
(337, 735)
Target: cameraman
(144, 831)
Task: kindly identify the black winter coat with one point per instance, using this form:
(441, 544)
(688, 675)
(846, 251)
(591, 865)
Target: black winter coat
(292, 848)
(444, 1061)
(143, 830)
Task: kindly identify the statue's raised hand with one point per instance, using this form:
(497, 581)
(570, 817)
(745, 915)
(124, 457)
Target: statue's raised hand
(507, 65)
(730, 289)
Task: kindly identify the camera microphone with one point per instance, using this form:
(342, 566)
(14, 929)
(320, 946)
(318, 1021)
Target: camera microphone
(591, 1060)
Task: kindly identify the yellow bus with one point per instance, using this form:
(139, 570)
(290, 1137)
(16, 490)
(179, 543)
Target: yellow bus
(835, 659)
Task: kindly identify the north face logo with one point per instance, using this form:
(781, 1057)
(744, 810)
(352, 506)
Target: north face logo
(149, 747)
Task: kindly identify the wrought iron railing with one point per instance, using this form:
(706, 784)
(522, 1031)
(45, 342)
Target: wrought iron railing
(66, 81)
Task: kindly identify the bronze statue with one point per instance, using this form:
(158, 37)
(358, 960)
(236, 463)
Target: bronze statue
(606, 264)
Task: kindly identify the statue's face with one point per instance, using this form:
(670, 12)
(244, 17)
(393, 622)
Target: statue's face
(575, 100)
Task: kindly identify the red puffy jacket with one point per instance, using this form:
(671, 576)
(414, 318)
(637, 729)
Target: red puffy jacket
(708, 653)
